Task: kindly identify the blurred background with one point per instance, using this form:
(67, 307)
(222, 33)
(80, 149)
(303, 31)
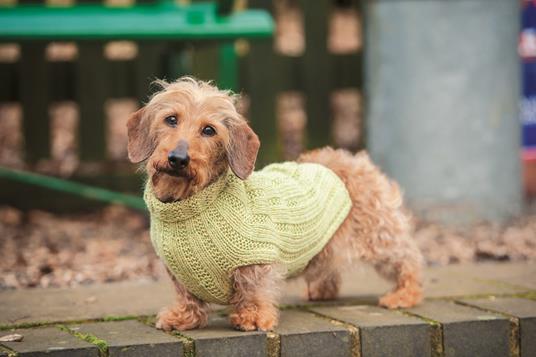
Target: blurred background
(441, 93)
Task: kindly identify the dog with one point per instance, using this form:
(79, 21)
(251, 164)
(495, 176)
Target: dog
(190, 134)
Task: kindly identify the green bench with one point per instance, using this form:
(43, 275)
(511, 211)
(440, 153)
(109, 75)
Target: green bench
(162, 20)
(159, 28)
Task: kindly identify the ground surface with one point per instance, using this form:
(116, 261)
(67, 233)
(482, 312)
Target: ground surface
(111, 245)
(486, 309)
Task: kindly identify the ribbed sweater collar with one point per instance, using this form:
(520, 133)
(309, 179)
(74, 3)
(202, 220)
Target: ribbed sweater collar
(188, 208)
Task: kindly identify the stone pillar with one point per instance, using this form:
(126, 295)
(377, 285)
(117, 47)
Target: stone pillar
(442, 81)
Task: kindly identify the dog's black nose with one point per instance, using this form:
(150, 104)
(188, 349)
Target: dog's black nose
(178, 160)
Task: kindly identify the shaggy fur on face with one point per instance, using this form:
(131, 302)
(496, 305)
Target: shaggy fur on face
(376, 230)
(176, 119)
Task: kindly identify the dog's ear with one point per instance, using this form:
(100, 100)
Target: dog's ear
(243, 149)
(140, 144)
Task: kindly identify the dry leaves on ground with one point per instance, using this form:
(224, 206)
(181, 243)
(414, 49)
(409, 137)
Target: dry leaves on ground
(44, 249)
(442, 246)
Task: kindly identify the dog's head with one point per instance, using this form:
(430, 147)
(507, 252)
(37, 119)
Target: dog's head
(189, 134)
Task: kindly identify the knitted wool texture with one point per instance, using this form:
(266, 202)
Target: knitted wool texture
(285, 214)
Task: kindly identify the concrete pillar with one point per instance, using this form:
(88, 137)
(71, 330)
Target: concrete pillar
(442, 80)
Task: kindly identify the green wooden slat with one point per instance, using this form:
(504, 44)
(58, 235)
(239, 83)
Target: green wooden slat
(347, 70)
(62, 80)
(347, 74)
(161, 21)
(205, 58)
(8, 80)
(243, 79)
(177, 60)
(92, 83)
(149, 66)
(122, 81)
(262, 101)
(33, 94)
(317, 72)
(260, 73)
(360, 6)
(228, 66)
(287, 73)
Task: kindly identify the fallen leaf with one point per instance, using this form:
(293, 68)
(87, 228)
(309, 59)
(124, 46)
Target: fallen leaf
(91, 300)
(12, 338)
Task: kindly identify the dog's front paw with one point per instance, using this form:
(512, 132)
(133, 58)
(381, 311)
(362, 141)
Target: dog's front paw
(179, 319)
(402, 298)
(251, 319)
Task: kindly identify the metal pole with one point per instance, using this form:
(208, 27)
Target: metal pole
(442, 83)
(75, 188)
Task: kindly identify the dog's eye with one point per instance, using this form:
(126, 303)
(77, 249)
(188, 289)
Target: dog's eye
(208, 131)
(171, 121)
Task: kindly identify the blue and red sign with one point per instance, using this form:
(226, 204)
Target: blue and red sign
(527, 52)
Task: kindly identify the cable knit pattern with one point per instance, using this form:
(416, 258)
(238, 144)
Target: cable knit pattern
(284, 214)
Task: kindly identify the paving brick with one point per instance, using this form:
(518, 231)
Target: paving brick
(383, 332)
(132, 338)
(91, 302)
(467, 331)
(466, 280)
(304, 334)
(51, 341)
(220, 339)
(135, 298)
(523, 309)
(520, 274)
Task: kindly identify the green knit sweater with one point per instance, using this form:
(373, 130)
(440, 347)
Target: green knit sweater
(283, 214)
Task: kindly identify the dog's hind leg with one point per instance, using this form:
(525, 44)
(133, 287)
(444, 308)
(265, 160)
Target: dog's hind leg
(379, 234)
(400, 262)
(396, 259)
(376, 230)
(322, 276)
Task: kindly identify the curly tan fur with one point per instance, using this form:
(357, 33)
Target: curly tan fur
(376, 230)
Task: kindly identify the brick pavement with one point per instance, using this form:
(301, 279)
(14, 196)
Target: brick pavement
(470, 310)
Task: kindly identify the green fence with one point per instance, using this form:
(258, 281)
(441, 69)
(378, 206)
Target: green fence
(265, 74)
(316, 73)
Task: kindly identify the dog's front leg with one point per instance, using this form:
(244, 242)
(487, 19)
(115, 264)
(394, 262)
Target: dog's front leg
(255, 297)
(188, 312)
